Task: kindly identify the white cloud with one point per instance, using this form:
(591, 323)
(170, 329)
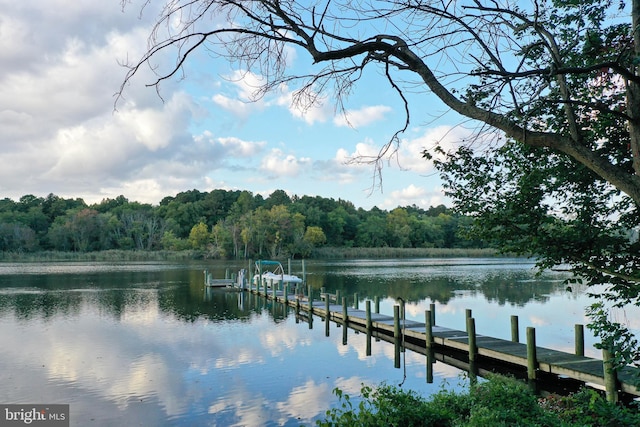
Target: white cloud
(244, 98)
(276, 163)
(410, 193)
(309, 106)
(239, 148)
(410, 153)
(363, 154)
(362, 117)
(414, 195)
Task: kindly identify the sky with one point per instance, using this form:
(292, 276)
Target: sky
(62, 132)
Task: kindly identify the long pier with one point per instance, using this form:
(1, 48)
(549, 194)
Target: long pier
(483, 354)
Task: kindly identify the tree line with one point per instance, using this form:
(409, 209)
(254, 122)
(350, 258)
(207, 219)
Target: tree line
(222, 224)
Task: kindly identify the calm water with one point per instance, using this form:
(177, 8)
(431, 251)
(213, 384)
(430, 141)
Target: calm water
(146, 344)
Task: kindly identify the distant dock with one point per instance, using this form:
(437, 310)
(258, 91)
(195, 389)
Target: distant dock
(210, 282)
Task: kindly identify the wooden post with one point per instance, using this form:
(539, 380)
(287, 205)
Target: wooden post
(376, 301)
(286, 294)
(355, 301)
(515, 329)
(467, 315)
(369, 326)
(471, 333)
(396, 335)
(610, 377)
(345, 321)
(345, 316)
(532, 360)
(327, 317)
(428, 329)
(579, 339)
(310, 298)
(432, 309)
(338, 300)
(428, 341)
(473, 349)
(288, 265)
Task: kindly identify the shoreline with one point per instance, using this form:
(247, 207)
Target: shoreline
(319, 253)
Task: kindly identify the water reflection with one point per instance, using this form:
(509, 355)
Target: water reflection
(513, 282)
(148, 344)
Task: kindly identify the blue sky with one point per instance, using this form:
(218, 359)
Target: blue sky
(59, 132)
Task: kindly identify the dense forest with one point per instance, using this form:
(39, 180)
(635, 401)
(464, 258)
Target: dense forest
(222, 224)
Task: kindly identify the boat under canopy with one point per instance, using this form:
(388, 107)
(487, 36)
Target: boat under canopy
(272, 272)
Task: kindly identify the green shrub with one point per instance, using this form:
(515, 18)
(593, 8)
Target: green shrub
(386, 406)
(498, 402)
(504, 401)
(589, 408)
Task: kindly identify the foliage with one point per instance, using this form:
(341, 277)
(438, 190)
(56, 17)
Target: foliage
(199, 236)
(589, 408)
(242, 225)
(615, 337)
(499, 401)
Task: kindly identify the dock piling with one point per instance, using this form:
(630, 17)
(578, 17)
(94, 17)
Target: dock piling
(327, 316)
(345, 316)
(396, 335)
(428, 341)
(579, 332)
(428, 330)
(345, 321)
(369, 326)
(610, 378)
(432, 309)
(515, 330)
(471, 332)
(532, 362)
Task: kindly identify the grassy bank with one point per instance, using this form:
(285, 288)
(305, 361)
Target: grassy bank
(102, 256)
(319, 253)
(355, 253)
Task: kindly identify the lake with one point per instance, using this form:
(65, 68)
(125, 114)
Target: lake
(146, 344)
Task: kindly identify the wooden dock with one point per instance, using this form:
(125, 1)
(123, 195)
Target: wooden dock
(453, 346)
(210, 282)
